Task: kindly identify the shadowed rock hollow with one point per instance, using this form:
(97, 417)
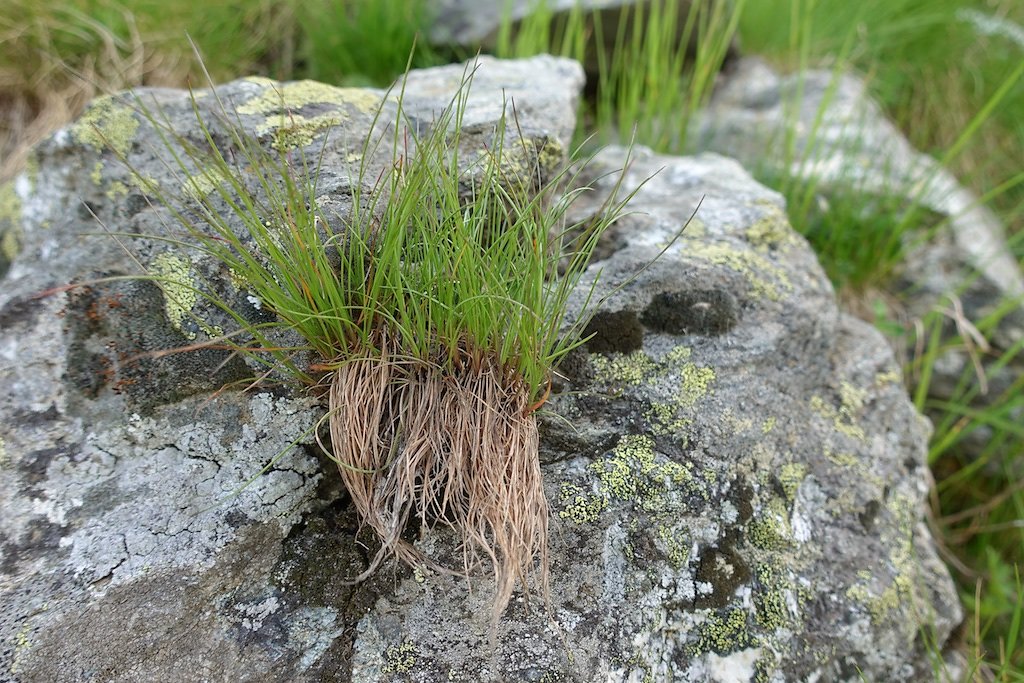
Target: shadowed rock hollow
(736, 476)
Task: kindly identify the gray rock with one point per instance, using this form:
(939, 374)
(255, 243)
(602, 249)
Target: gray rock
(737, 478)
(476, 24)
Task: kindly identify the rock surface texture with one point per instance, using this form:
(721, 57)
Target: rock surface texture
(737, 479)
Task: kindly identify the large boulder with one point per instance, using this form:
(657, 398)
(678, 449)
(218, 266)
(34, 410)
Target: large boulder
(736, 476)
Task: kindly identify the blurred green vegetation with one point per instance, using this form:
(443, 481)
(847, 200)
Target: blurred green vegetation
(942, 69)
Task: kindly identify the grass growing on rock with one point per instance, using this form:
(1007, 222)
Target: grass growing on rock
(434, 307)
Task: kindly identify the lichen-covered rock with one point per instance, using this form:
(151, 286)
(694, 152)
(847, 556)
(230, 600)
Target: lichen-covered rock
(736, 477)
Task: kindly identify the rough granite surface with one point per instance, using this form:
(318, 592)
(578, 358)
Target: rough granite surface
(736, 476)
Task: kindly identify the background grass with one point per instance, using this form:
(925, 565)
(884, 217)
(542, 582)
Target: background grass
(933, 64)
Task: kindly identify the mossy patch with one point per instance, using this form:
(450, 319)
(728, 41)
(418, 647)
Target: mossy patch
(699, 311)
(614, 332)
(107, 123)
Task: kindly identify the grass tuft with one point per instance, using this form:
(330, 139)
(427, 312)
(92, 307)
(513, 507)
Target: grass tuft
(435, 307)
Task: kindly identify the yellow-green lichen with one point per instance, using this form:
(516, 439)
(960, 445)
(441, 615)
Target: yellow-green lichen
(10, 204)
(677, 546)
(791, 475)
(773, 231)
(292, 96)
(664, 419)
(630, 473)
(695, 385)
(32, 169)
(21, 645)
(117, 190)
(631, 369)
(893, 376)
(3, 453)
(97, 173)
(293, 131)
(400, 658)
(775, 593)
(725, 634)
(841, 459)
(175, 277)
(579, 506)
(901, 589)
(527, 158)
(765, 279)
(106, 123)
(768, 425)
(771, 530)
(198, 185)
(842, 418)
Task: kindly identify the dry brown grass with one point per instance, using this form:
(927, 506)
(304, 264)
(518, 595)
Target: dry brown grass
(446, 448)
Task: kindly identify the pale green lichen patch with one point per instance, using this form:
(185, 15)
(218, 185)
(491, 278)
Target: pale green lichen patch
(180, 295)
(842, 418)
(893, 376)
(22, 643)
(633, 473)
(400, 658)
(292, 96)
(765, 278)
(10, 214)
(676, 545)
(689, 383)
(879, 595)
(725, 633)
(179, 291)
(771, 530)
(97, 173)
(632, 369)
(526, 158)
(106, 123)
(10, 204)
(772, 231)
(791, 475)
(768, 425)
(198, 185)
(580, 506)
(116, 190)
(3, 453)
(294, 130)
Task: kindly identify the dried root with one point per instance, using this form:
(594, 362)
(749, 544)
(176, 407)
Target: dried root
(456, 448)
